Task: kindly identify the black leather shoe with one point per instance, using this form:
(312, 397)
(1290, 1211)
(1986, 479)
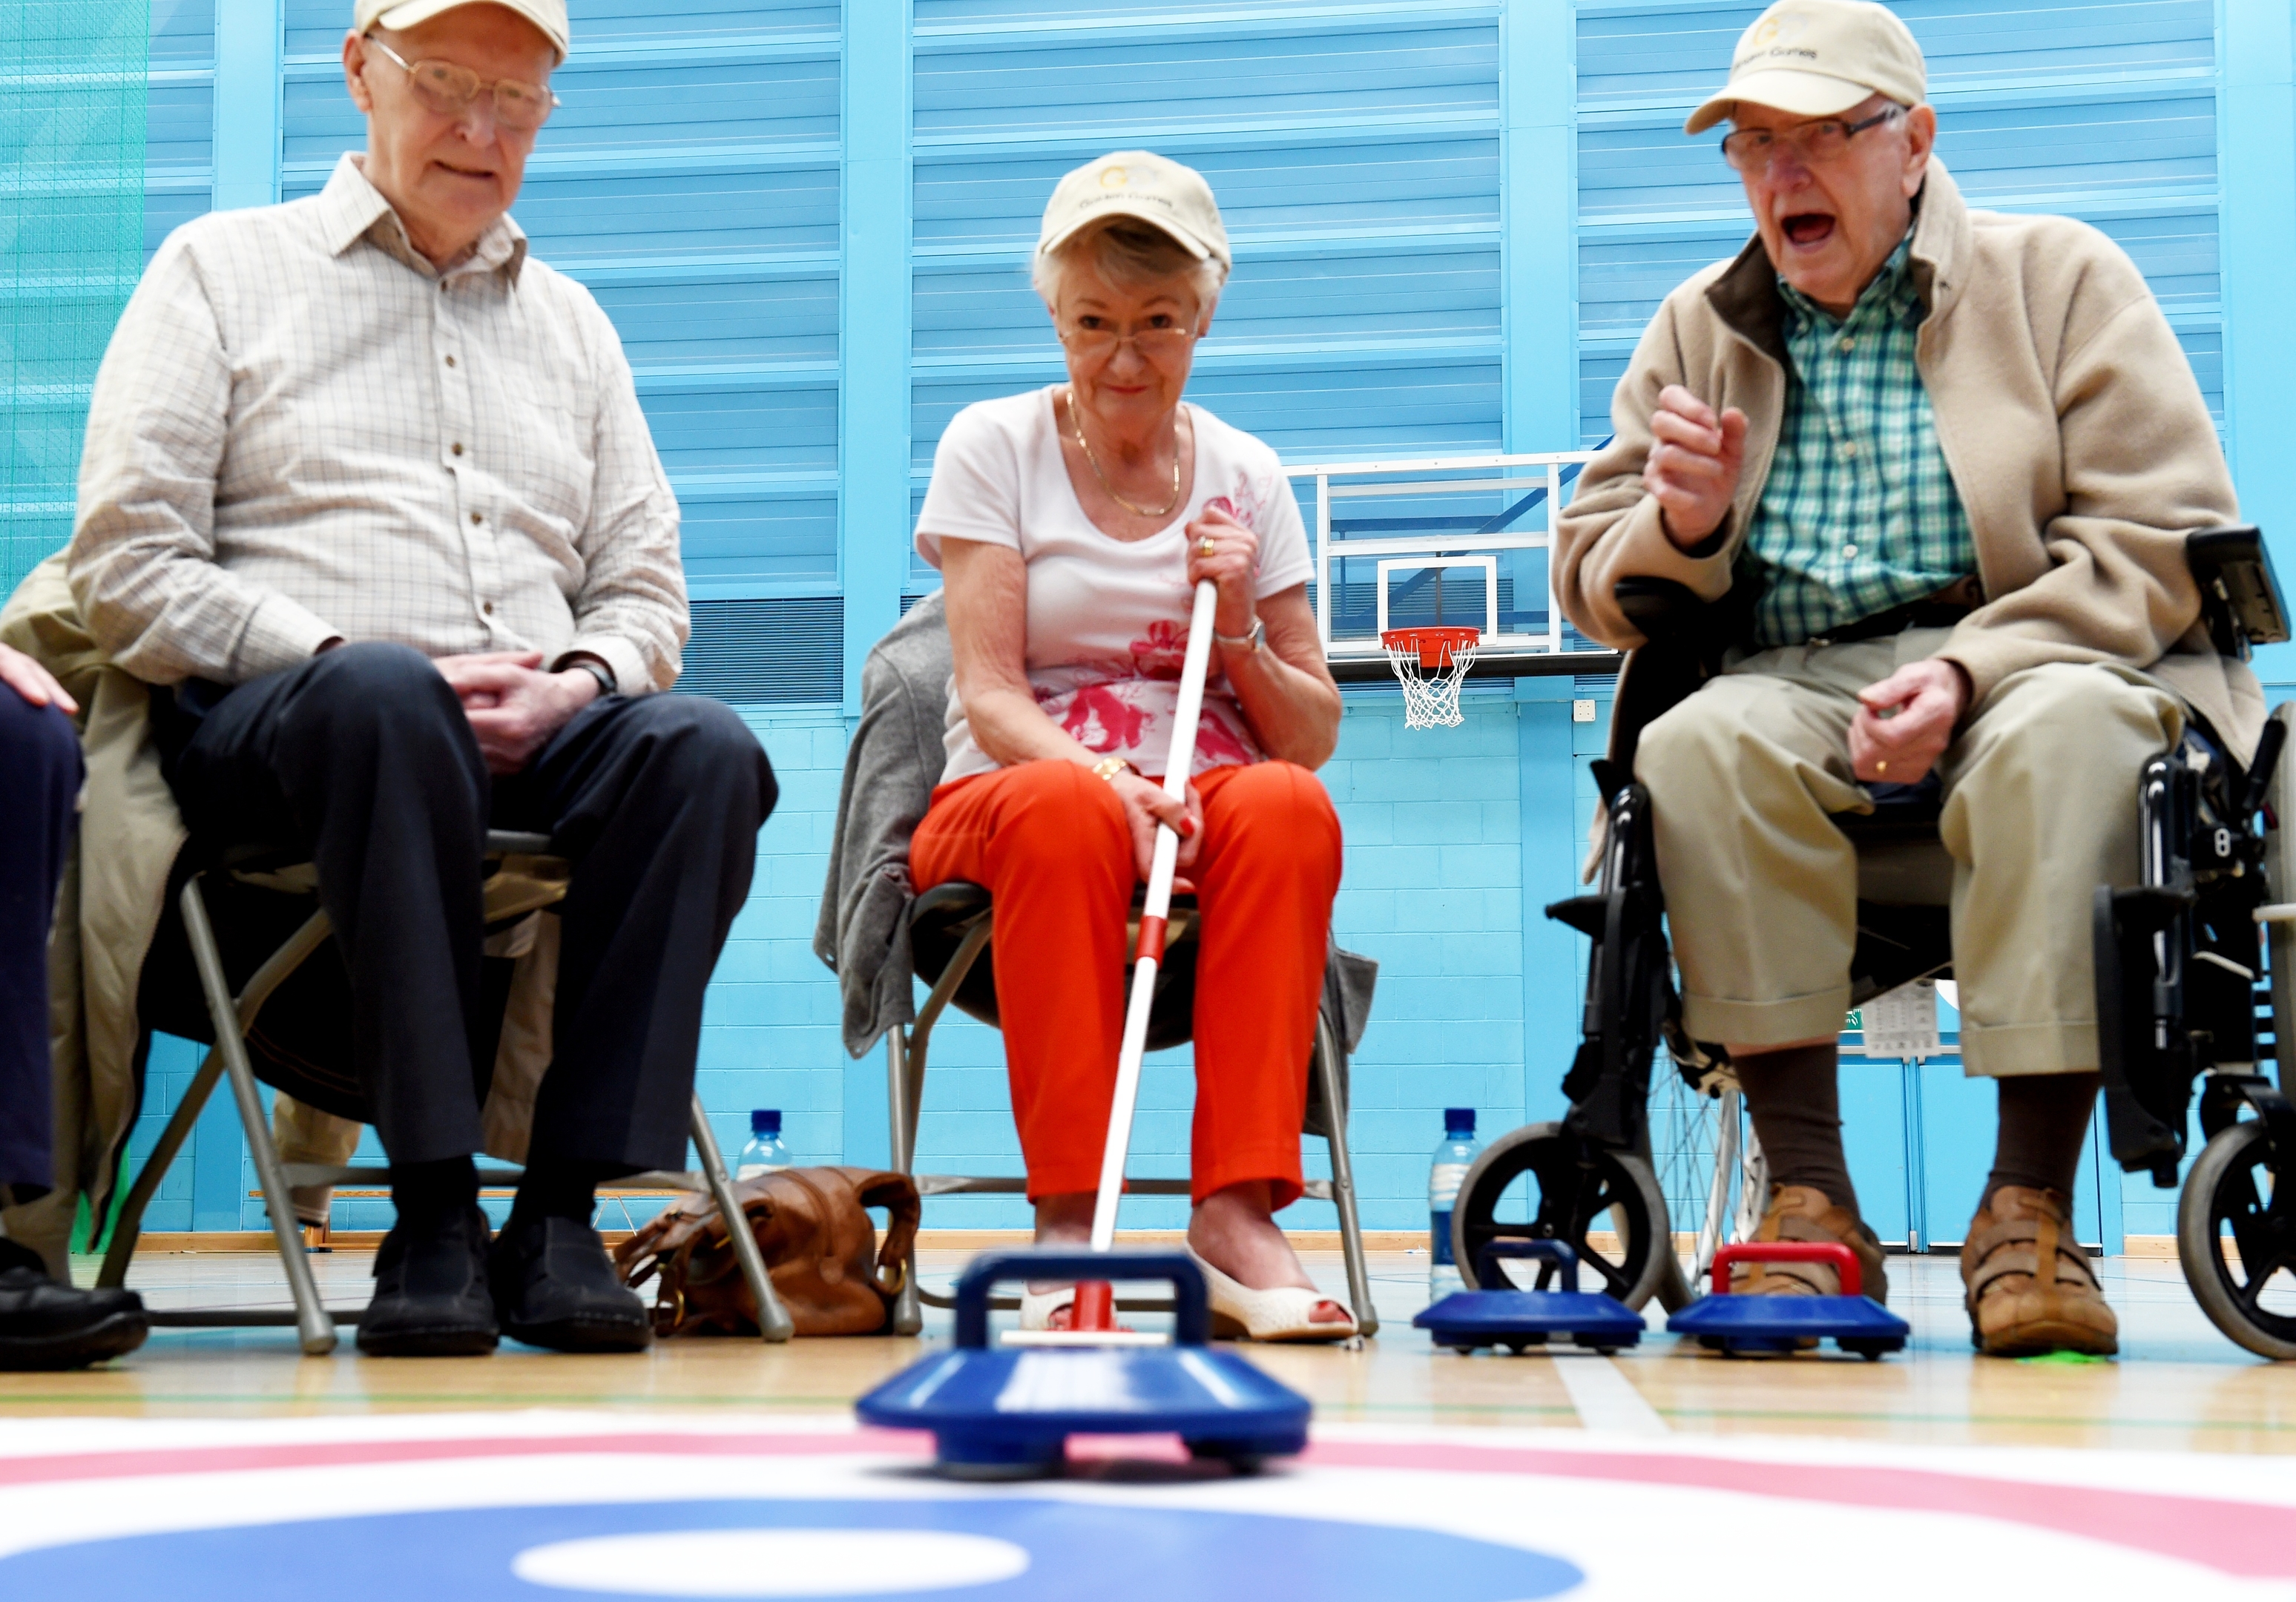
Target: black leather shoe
(430, 1292)
(45, 1326)
(555, 1287)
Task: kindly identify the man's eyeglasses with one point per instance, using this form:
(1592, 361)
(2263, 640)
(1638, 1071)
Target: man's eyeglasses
(1816, 143)
(1158, 345)
(448, 89)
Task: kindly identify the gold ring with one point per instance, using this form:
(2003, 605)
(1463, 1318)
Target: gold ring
(1206, 547)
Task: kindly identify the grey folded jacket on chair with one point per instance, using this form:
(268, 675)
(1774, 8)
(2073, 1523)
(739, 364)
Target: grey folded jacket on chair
(894, 760)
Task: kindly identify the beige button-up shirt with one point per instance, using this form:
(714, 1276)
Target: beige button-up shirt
(303, 430)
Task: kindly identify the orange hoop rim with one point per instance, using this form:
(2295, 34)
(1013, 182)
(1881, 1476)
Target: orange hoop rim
(1436, 644)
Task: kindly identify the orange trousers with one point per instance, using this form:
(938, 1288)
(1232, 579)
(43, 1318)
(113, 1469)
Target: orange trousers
(1048, 840)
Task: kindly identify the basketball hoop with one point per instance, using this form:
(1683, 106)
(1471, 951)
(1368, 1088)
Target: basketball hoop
(1432, 663)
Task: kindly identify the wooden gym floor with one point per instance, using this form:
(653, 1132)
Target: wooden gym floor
(2178, 1386)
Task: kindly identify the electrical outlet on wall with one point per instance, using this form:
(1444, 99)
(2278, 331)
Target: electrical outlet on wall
(1582, 712)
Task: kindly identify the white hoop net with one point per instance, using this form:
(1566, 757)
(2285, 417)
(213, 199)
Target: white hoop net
(1431, 695)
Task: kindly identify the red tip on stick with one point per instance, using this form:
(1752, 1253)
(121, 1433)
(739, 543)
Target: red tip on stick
(1095, 1306)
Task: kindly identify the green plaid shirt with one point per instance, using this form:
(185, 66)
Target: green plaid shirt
(1858, 514)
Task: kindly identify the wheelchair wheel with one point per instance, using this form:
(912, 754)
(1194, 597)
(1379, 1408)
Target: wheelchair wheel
(1605, 1205)
(1710, 1166)
(2242, 1268)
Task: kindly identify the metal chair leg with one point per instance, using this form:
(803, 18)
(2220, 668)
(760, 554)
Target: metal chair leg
(904, 1086)
(1328, 1059)
(773, 1320)
(128, 1228)
(908, 1316)
(314, 1326)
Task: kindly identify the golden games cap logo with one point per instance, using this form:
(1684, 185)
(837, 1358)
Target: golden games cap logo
(1114, 177)
(1775, 36)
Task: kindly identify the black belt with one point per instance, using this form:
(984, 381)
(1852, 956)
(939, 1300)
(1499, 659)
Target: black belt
(1929, 612)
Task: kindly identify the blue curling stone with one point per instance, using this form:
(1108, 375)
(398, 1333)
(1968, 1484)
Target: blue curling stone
(1737, 1324)
(1469, 1319)
(1010, 1412)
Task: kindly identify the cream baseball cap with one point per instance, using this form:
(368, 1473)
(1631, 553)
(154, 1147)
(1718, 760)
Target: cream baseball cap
(1143, 184)
(548, 15)
(1818, 58)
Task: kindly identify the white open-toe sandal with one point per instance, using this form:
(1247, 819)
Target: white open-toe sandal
(1038, 1308)
(1284, 1314)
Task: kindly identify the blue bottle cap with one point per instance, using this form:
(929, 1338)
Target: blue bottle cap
(1458, 1120)
(765, 1121)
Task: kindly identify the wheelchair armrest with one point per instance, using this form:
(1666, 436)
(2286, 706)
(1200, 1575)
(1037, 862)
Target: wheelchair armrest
(2240, 594)
(1658, 607)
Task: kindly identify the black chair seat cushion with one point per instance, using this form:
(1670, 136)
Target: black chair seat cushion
(941, 917)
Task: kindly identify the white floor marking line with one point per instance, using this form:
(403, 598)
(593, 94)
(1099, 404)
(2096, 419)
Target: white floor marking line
(1605, 1398)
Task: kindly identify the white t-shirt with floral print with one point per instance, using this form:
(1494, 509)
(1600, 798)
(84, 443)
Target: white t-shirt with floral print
(1108, 618)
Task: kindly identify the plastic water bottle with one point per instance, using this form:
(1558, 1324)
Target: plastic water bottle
(764, 1153)
(1453, 1158)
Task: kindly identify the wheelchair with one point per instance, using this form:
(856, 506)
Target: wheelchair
(2195, 974)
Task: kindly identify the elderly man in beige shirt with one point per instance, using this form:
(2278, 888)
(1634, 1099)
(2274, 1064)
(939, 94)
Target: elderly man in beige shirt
(1942, 462)
(368, 494)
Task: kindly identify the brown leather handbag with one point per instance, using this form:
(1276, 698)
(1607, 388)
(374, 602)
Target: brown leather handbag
(819, 1244)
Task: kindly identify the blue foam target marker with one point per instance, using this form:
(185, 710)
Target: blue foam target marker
(1468, 1319)
(1736, 1325)
(997, 1413)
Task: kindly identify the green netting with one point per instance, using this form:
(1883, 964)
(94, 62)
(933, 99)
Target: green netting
(71, 242)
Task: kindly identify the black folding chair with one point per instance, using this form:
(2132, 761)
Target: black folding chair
(950, 929)
(523, 877)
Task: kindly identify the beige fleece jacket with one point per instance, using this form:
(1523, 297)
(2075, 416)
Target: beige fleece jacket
(2069, 417)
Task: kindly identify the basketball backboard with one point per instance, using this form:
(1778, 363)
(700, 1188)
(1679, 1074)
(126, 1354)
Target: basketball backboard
(1438, 542)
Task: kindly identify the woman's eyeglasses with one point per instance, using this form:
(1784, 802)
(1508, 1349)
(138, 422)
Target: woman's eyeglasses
(1815, 143)
(1158, 345)
(448, 89)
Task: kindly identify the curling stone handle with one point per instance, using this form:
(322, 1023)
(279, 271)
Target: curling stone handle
(1557, 1252)
(1843, 1260)
(1192, 1316)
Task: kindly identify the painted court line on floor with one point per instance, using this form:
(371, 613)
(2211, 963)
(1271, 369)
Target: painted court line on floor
(1605, 1398)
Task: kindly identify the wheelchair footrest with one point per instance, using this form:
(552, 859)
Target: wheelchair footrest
(1468, 1319)
(1737, 1325)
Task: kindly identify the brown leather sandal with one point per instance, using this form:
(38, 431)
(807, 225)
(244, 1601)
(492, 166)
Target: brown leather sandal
(2012, 1311)
(1805, 1212)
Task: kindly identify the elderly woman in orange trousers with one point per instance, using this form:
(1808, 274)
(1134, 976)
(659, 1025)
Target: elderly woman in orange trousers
(1071, 525)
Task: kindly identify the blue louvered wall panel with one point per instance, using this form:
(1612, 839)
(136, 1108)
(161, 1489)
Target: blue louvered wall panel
(2103, 112)
(1356, 161)
(179, 118)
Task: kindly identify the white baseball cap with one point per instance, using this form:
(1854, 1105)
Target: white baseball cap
(548, 15)
(1143, 184)
(1818, 58)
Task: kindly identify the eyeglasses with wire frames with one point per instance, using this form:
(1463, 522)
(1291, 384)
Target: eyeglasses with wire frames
(1816, 144)
(448, 89)
(1090, 340)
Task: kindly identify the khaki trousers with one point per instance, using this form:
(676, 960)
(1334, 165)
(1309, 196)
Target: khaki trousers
(1761, 889)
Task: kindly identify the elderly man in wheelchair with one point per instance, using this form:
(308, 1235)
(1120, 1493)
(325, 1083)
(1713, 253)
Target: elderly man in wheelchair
(1896, 523)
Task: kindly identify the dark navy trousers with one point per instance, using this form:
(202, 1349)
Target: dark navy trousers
(363, 757)
(39, 793)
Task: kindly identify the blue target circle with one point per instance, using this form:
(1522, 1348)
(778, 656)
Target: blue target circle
(1111, 1552)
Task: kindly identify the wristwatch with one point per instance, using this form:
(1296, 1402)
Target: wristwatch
(597, 670)
(1245, 644)
(1109, 767)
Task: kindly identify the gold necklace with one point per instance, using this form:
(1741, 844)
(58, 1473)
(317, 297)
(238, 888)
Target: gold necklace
(1076, 424)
